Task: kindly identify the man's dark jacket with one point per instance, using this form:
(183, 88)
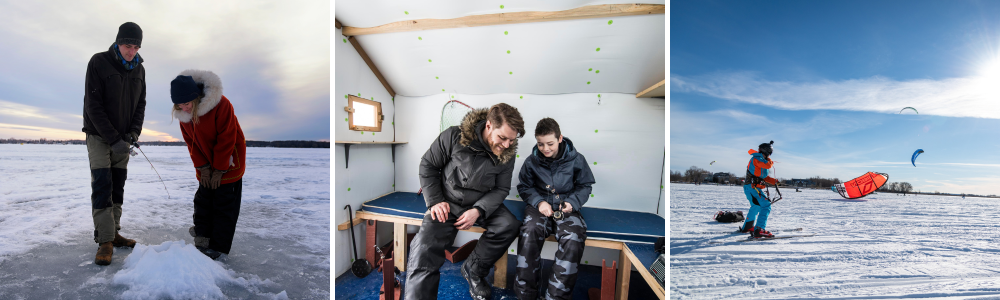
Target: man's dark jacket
(115, 100)
(460, 169)
(567, 177)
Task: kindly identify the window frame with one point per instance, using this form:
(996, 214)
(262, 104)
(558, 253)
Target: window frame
(379, 117)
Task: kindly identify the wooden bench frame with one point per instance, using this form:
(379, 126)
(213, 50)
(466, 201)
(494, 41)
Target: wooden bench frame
(625, 258)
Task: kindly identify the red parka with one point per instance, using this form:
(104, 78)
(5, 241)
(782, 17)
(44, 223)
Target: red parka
(217, 138)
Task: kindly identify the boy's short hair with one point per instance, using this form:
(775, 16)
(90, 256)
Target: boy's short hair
(547, 126)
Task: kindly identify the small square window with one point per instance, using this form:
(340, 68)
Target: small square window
(364, 115)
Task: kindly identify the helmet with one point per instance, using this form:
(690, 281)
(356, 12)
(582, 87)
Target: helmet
(765, 149)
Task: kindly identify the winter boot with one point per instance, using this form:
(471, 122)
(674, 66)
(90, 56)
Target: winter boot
(479, 289)
(121, 241)
(199, 241)
(747, 227)
(209, 252)
(104, 254)
(761, 233)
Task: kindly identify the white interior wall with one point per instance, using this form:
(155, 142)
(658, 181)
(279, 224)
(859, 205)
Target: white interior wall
(630, 135)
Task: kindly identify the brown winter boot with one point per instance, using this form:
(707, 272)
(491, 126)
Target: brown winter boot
(104, 254)
(121, 241)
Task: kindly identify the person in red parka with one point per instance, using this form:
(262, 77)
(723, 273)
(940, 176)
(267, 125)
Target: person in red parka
(218, 150)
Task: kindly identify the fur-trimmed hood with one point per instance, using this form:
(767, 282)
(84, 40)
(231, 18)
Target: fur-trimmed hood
(213, 93)
(469, 134)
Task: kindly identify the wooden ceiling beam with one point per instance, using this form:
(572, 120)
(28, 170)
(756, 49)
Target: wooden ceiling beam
(586, 12)
(657, 90)
(337, 23)
(371, 65)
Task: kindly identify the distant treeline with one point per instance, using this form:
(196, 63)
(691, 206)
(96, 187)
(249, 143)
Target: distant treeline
(273, 144)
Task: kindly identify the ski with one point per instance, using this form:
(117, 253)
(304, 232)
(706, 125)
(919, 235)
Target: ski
(750, 239)
(737, 231)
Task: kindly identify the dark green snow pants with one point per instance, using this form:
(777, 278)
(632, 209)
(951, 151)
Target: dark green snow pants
(108, 172)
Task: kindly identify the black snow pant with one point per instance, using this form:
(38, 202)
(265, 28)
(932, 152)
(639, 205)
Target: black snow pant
(427, 250)
(571, 235)
(215, 214)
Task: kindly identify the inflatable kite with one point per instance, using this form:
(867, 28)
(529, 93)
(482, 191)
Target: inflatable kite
(711, 163)
(861, 186)
(905, 108)
(913, 159)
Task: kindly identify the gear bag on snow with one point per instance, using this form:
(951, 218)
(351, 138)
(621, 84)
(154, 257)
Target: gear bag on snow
(729, 217)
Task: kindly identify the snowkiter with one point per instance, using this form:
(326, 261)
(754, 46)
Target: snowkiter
(218, 152)
(760, 206)
(465, 176)
(555, 177)
(114, 106)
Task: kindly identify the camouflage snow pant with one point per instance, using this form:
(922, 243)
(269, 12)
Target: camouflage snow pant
(570, 232)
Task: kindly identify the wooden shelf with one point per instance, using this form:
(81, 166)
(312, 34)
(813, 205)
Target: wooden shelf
(369, 143)
(347, 149)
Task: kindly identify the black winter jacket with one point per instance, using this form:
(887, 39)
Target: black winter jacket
(460, 169)
(114, 102)
(564, 179)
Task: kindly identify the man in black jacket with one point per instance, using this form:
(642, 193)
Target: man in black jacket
(465, 176)
(114, 104)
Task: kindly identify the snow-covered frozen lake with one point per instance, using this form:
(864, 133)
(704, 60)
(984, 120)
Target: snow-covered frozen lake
(281, 248)
(883, 246)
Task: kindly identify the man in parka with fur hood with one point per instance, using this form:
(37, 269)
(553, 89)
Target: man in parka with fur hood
(465, 176)
(114, 106)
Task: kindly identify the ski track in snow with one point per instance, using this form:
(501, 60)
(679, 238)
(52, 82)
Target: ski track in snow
(282, 236)
(883, 246)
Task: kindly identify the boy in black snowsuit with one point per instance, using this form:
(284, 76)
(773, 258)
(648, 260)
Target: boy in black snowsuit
(555, 182)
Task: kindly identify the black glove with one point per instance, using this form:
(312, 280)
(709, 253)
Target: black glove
(120, 147)
(134, 136)
(204, 174)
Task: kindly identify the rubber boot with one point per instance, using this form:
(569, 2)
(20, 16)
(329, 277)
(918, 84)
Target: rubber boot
(121, 241)
(104, 252)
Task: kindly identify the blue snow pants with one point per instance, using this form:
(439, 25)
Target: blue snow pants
(758, 205)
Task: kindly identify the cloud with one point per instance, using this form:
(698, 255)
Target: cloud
(35, 132)
(952, 97)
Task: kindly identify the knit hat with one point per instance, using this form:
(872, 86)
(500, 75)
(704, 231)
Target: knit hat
(184, 89)
(129, 33)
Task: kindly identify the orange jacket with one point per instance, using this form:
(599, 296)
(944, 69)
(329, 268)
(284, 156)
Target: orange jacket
(758, 166)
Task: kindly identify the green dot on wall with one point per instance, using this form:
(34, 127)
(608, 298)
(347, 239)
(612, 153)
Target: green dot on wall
(597, 72)
(522, 97)
(362, 133)
(595, 163)
(452, 96)
(518, 156)
(511, 250)
(508, 51)
(661, 186)
(591, 69)
(359, 94)
(511, 73)
(393, 123)
(586, 262)
(406, 12)
(595, 130)
(609, 22)
(598, 49)
(598, 95)
(345, 120)
(394, 185)
(435, 77)
(348, 189)
(352, 260)
(505, 32)
(345, 40)
(345, 97)
(501, 6)
(517, 196)
(373, 98)
(442, 90)
(591, 195)
(588, 82)
(428, 60)
(373, 133)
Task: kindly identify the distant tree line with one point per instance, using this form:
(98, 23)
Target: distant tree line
(275, 144)
(896, 187)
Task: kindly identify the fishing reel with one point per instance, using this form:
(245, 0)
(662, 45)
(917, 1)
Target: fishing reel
(558, 215)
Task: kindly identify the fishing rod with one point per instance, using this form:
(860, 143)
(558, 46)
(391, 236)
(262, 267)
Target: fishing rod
(136, 146)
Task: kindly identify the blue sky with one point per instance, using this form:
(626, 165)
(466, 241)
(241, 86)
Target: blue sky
(273, 58)
(826, 81)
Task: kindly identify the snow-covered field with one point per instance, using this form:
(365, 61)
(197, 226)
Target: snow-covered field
(281, 248)
(883, 246)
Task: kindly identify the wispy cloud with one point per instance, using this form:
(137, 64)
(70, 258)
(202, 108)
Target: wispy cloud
(953, 97)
